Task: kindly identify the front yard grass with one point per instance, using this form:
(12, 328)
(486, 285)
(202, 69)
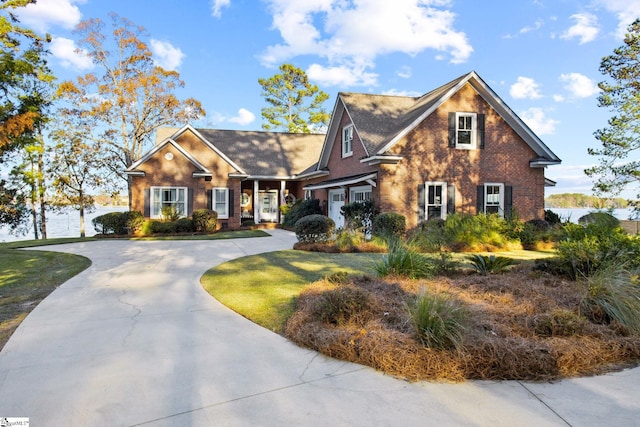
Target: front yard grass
(27, 277)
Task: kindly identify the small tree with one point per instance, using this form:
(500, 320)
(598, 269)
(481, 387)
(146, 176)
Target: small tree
(295, 105)
(619, 168)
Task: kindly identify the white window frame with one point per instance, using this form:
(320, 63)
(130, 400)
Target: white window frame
(499, 201)
(347, 141)
(473, 137)
(364, 189)
(214, 201)
(443, 196)
(155, 206)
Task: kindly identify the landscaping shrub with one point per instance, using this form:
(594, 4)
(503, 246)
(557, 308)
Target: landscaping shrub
(348, 240)
(602, 219)
(160, 227)
(429, 236)
(169, 214)
(490, 264)
(300, 209)
(185, 225)
(205, 220)
(439, 320)
(342, 304)
(402, 260)
(389, 224)
(613, 294)
(118, 222)
(314, 229)
(358, 216)
(551, 217)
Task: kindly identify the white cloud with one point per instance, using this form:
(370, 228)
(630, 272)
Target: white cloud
(405, 72)
(216, 9)
(395, 92)
(344, 76)
(536, 119)
(243, 118)
(536, 26)
(353, 34)
(525, 87)
(45, 14)
(166, 55)
(67, 53)
(626, 12)
(558, 98)
(579, 85)
(586, 28)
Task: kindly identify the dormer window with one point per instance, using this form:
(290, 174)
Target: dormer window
(347, 141)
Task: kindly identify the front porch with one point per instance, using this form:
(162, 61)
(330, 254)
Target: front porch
(261, 200)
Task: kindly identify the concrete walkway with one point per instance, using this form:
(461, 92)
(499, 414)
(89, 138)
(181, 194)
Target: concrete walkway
(135, 340)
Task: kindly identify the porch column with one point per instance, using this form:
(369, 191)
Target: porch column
(256, 200)
(282, 201)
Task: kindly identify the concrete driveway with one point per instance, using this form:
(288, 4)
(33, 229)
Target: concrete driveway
(135, 340)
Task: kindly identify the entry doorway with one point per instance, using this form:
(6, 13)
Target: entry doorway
(336, 201)
(268, 205)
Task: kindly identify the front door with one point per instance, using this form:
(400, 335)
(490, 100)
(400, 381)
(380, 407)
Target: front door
(336, 201)
(268, 205)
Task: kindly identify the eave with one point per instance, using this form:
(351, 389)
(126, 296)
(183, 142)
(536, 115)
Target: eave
(378, 160)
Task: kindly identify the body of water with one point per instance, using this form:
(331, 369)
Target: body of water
(63, 224)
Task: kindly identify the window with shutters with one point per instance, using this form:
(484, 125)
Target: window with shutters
(435, 200)
(466, 130)
(494, 198)
(220, 202)
(168, 198)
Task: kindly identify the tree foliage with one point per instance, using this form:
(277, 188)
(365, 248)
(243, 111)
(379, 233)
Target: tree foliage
(129, 96)
(619, 167)
(295, 105)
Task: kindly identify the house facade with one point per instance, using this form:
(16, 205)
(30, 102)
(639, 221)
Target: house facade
(458, 148)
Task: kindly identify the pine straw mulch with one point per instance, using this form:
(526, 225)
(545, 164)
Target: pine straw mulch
(522, 326)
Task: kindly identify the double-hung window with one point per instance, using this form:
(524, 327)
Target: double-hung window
(347, 141)
(220, 202)
(494, 198)
(360, 194)
(466, 130)
(168, 198)
(436, 200)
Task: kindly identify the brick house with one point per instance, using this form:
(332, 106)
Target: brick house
(458, 148)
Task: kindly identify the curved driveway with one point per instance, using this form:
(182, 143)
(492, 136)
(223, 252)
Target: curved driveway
(135, 340)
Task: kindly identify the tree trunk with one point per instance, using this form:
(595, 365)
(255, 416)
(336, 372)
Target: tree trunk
(41, 190)
(82, 233)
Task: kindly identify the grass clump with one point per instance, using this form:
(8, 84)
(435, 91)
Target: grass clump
(439, 320)
(403, 260)
(490, 264)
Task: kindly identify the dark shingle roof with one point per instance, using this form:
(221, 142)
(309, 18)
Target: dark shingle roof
(267, 153)
(380, 118)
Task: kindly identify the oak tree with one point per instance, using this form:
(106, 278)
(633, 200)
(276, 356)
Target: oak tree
(295, 104)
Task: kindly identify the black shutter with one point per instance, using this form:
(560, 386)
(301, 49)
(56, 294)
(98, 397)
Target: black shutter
(147, 202)
(508, 201)
(232, 203)
(421, 203)
(189, 201)
(480, 199)
(452, 130)
(209, 199)
(480, 119)
(451, 199)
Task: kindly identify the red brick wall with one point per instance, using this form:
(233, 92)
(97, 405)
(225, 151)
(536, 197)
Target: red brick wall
(427, 157)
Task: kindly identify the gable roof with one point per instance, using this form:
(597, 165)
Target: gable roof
(249, 153)
(381, 121)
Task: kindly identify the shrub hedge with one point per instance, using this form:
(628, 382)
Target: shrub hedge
(314, 229)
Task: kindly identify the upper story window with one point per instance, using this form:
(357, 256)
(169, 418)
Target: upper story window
(466, 130)
(165, 200)
(347, 141)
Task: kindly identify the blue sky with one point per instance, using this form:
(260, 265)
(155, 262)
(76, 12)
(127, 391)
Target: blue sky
(540, 56)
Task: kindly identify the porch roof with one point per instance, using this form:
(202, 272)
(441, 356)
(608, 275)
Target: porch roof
(347, 180)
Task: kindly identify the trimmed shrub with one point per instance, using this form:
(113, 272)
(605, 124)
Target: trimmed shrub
(342, 304)
(300, 209)
(602, 219)
(439, 320)
(185, 225)
(205, 220)
(389, 224)
(161, 227)
(117, 222)
(135, 221)
(314, 229)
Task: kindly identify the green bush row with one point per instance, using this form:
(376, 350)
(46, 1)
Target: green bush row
(133, 222)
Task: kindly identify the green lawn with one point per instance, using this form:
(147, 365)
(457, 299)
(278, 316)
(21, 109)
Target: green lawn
(263, 288)
(26, 278)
